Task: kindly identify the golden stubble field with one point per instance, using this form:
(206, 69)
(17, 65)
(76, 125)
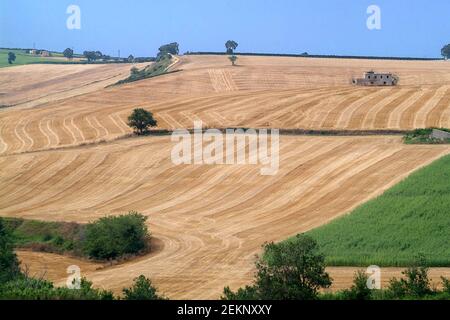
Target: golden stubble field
(260, 92)
(210, 221)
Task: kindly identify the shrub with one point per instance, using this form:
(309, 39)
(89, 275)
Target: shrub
(416, 284)
(142, 289)
(287, 271)
(246, 293)
(359, 289)
(9, 265)
(233, 59)
(112, 237)
(134, 71)
(57, 237)
(11, 57)
(446, 285)
(25, 288)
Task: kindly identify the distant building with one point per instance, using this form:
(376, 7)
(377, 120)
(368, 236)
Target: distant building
(45, 53)
(33, 52)
(372, 78)
(440, 134)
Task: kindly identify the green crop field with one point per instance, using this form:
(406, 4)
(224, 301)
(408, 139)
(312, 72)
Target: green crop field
(21, 58)
(410, 219)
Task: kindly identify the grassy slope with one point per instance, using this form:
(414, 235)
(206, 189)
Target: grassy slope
(411, 218)
(58, 237)
(21, 58)
(156, 69)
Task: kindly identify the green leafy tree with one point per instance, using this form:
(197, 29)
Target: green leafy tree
(11, 57)
(415, 282)
(130, 58)
(233, 59)
(446, 51)
(113, 237)
(142, 289)
(68, 53)
(172, 48)
(141, 120)
(359, 289)
(9, 265)
(93, 55)
(231, 45)
(292, 270)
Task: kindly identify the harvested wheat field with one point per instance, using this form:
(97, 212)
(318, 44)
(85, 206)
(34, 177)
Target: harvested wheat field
(36, 84)
(274, 92)
(212, 220)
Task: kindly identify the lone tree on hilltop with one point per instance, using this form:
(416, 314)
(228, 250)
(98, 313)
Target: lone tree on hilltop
(11, 57)
(233, 59)
(68, 53)
(172, 48)
(231, 45)
(141, 120)
(446, 51)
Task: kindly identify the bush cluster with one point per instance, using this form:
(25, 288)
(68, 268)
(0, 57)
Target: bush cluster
(105, 239)
(112, 237)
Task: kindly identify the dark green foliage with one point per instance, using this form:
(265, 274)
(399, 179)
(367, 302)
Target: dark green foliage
(288, 271)
(9, 265)
(415, 284)
(231, 45)
(245, 294)
(68, 53)
(163, 56)
(24, 288)
(141, 120)
(142, 289)
(11, 57)
(112, 237)
(446, 285)
(172, 48)
(359, 289)
(128, 232)
(167, 50)
(409, 219)
(446, 51)
(56, 237)
(156, 69)
(130, 58)
(92, 55)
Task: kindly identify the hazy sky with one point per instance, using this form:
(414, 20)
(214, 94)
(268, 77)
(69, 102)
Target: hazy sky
(408, 27)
